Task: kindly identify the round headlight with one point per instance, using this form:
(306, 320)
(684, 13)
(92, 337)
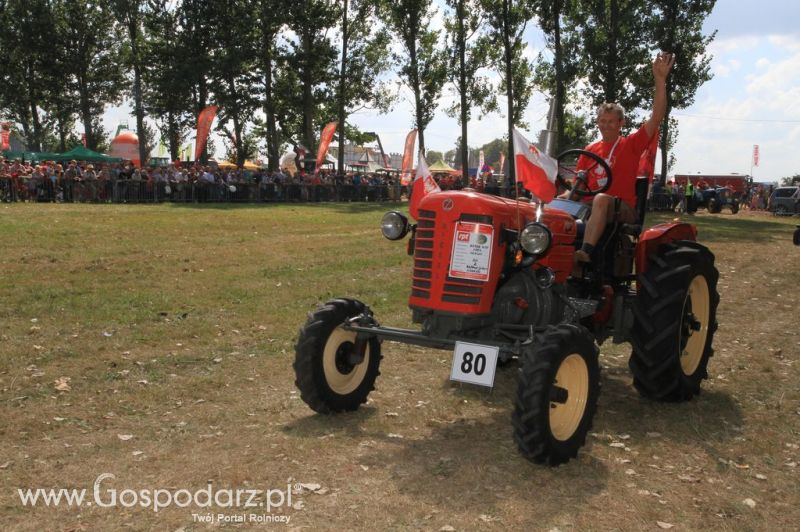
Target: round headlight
(535, 239)
(394, 225)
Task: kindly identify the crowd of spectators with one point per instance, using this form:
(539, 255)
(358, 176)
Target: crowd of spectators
(81, 181)
(122, 183)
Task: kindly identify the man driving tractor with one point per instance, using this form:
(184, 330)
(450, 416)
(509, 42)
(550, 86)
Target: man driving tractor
(622, 156)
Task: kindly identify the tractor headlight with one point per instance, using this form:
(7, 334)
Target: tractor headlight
(535, 238)
(394, 225)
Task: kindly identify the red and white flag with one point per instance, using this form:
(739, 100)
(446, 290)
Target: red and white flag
(424, 184)
(536, 170)
(755, 154)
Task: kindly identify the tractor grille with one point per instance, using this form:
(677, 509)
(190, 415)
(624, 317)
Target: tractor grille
(423, 266)
(459, 291)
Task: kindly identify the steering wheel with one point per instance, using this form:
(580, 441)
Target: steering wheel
(581, 187)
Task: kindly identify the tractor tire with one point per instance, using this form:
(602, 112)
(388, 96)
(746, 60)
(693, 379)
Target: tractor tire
(675, 318)
(557, 392)
(330, 375)
(714, 206)
(734, 208)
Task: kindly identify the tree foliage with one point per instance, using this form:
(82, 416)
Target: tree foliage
(422, 62)
(677, 26)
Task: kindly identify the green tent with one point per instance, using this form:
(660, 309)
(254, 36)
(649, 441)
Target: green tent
(82, 153)
(31, 156)
(441, 168)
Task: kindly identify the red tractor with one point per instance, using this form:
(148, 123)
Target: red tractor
(495, 279)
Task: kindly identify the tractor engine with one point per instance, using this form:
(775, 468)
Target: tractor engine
(470, 272)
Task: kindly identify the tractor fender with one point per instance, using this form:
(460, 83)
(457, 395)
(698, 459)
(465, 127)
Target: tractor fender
(650, 240)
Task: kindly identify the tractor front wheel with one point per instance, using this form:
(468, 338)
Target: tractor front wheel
(557, 392)
(674, 322)
(334, 371)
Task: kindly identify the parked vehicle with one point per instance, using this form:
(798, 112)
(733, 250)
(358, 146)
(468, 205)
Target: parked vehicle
(716, 199)
(781, 203)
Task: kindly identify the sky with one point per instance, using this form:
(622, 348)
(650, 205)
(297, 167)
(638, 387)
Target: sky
(753, 99)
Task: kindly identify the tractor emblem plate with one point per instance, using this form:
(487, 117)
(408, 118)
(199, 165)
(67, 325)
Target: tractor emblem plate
(472, 251)
(447, 205)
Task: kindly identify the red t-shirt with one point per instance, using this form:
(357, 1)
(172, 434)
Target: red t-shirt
(624, 163)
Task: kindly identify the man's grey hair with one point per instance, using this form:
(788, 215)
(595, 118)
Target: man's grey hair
(611, 108)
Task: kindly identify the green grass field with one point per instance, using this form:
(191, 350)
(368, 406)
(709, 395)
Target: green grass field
(155, 342)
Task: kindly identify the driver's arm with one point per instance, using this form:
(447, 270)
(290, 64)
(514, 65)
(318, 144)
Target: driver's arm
(662, 64)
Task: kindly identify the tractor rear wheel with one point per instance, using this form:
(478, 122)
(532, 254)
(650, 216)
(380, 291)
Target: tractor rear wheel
(334, 372)
(557, 392)
(674, 322)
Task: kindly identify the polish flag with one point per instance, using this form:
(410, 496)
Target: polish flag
(424, 184)
(536, 170)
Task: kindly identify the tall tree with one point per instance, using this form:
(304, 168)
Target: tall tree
(269, 27)
(564, 68)
(168, 82)
(197, 39)
(312, 56)
(422, 61)
(677, 27)
(27, 53)
(130, 14)
(616, 56)
(364, 58)
(507, 20)
(465, 59)
(233, 72)
(93, 53)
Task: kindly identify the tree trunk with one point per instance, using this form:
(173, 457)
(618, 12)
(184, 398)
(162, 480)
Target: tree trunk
(35, 141)
(462, 82)
(269, 106)
(511, 178)
(560, 88)
(412, 55)
(86, 113)
(172, 137)
(308, 96)
(612, 95)
(138, 108)
(342, 98)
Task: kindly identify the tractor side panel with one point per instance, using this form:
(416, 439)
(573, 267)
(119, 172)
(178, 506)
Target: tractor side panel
(660, 234)
(560, 256)
(432, 285)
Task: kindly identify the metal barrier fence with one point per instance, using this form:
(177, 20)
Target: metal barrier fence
(130, 191)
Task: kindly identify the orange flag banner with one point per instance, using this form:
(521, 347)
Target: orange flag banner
(408, 157)
(324, 141)
(204, 120)
(6, 136)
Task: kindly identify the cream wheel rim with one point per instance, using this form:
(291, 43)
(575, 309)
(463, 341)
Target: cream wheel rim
(699, 299)
(566, 413)
(338, 381)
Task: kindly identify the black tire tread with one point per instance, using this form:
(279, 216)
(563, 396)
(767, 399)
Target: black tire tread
(655, 357)
(530, 418)
(309, 377)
